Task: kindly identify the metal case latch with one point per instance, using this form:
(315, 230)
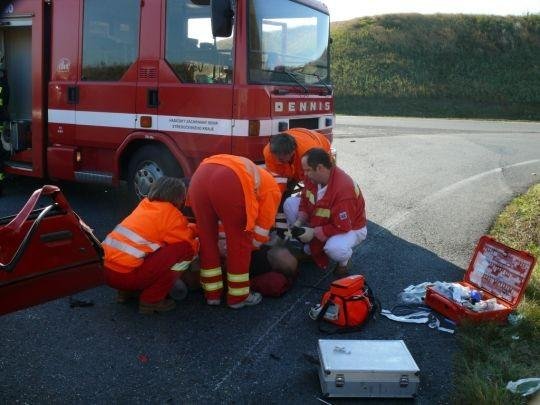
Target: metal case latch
(404, 381)
(340, 380)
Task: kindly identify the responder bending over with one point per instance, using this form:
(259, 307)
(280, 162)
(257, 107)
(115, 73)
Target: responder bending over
(151, 248)
(245, 198)
(4, 118)
(282, 157)
(331, 212)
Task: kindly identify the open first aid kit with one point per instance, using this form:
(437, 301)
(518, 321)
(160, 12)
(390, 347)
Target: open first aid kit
(492, 287)
(367, 368)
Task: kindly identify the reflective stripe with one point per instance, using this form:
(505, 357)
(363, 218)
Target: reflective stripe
(212, 286)
(238, 278)
(261, 231)
(238, 291)
(182, 266)
(124, 247)
(281, 225)
(310, 196)
(322, 212)
(281, 180)
(206, 273)
(135, 237)
(256, 243)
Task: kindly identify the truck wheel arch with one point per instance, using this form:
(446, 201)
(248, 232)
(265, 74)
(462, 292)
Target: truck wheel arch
(138, 140)
(141, 161)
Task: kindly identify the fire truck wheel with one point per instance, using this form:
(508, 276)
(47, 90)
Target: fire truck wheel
(148, 164)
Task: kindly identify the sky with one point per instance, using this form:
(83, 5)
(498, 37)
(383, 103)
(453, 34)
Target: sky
(347, 9)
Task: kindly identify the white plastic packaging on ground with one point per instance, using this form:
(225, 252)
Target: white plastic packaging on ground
(525, 386)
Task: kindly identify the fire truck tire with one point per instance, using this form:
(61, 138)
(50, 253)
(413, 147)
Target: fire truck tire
(148, 164)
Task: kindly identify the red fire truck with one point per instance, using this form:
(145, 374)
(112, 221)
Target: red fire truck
(129, 90)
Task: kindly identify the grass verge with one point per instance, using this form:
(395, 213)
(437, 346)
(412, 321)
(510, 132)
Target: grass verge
(492, 355)
(435, 108)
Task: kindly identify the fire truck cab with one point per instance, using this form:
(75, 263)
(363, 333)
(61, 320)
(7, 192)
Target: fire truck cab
(106, 91)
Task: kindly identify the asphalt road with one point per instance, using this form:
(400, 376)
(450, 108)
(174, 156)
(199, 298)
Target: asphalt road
(432, 188)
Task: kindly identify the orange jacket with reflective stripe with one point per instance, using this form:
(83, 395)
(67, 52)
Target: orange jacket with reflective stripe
(261, 193)
(151, 225)
(305, 140)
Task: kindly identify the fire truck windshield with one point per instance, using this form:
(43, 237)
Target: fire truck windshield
(287, 37)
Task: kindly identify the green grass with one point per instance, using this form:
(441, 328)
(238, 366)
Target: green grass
(437, 65)
(435, 108)
(491, 355)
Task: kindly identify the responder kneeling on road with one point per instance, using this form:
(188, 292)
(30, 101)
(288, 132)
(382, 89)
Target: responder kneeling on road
(148, 251)
(245, 198)
(330, 214)
(4, 118)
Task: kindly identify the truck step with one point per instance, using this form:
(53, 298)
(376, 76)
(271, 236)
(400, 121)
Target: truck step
(94, 177)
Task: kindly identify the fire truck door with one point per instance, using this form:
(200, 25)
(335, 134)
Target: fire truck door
(195, 82)
(22, 59)
(106, 88)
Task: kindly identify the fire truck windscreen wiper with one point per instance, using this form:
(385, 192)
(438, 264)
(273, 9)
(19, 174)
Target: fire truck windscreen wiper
(321, 81)
(292, 75)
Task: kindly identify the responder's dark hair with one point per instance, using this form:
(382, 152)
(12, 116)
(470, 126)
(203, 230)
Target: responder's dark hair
(282, 144)
(168, 189)
(318, 156)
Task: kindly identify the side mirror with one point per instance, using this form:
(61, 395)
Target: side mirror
(222, 18)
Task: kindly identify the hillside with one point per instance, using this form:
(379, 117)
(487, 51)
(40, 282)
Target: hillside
(438, 65)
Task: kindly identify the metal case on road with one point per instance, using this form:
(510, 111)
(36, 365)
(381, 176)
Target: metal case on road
(367, 368)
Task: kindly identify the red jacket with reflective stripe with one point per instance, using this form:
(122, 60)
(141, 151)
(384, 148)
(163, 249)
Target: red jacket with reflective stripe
(305, 140)
(151, 225)
(261, 193)
(341, 209)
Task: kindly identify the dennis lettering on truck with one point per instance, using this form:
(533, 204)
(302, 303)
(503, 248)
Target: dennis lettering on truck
(302, 106)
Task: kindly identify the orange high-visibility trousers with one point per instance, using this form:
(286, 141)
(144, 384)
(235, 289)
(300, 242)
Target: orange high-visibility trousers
(215, 194)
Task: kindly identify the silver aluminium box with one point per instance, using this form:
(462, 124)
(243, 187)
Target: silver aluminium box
(367, 368)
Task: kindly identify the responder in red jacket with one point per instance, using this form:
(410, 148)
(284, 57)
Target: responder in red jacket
(150, 248)
(244, 197)
(331, 211)
(282, 157)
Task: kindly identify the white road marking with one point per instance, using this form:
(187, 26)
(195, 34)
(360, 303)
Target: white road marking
(401, 216)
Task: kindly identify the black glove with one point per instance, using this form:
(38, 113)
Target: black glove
(296, 231)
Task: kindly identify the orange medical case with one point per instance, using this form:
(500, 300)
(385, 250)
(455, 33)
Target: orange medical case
(344, 287)
(496, 270)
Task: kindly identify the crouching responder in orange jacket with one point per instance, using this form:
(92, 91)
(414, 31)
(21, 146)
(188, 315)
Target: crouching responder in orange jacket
(150, 248)
(245, 198)
(331, 212)
(282, 157)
